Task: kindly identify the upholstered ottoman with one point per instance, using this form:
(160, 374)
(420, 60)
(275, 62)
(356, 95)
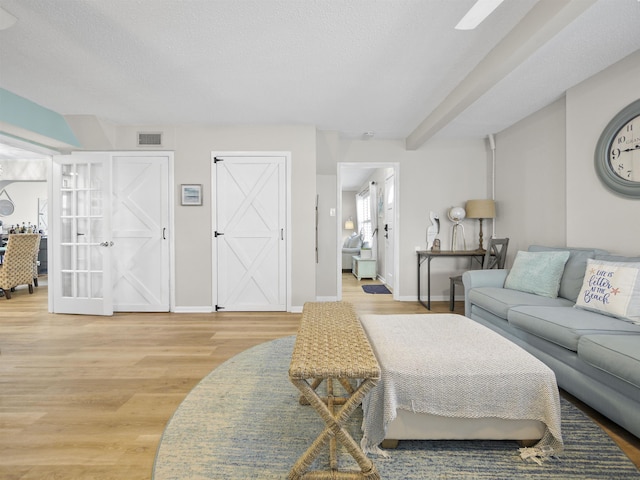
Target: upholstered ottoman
(445, 376)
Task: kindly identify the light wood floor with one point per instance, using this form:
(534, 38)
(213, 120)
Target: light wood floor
(85, 397)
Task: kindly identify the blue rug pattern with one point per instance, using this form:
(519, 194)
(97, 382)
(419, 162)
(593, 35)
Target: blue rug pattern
(376, 289)
(244, 421)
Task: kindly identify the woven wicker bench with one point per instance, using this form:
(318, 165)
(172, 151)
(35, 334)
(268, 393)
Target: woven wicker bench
(332, 346)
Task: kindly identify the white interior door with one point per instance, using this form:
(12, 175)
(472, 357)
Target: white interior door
(249, 239)
(140, 222)
(389, 234)
(81, 234)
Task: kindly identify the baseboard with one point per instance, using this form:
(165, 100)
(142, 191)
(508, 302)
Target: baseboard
(434, 298)
(207, 309)
(326, 299)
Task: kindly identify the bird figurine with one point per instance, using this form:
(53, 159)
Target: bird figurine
(433, 230)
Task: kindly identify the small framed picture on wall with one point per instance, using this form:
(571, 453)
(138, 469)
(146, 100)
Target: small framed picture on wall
(191, 194)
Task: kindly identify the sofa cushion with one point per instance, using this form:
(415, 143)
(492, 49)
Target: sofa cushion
(574, 269)
(618, 355)
(499, 300)
(537, 272)
(565, 326)
(612, 288)
(616, 258)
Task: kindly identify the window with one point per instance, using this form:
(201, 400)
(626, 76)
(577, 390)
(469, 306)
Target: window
(363, 206)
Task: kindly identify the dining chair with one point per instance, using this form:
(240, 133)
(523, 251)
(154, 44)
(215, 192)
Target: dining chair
(35, 262)
(494, 257)
(17, 266)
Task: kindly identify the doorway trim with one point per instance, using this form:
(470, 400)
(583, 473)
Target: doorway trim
(396, 176)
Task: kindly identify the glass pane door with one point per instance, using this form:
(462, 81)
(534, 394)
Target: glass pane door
(82, 242)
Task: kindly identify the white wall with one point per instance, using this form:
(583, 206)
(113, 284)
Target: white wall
(326, 280)
(24, 196)
(440, 175)
(547, 189)
(595, 215)
(193, 225)
(531, 179)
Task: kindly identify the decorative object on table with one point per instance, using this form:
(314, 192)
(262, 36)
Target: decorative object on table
(432, 230)
(456, 215)
(436, 245)
(191, 194)
(617, 155)
(481, 209)
(348, 225)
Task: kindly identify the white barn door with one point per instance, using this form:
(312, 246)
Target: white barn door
(249, 208)
(140, 222)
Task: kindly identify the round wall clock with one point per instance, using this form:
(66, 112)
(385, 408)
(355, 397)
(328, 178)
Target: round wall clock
(617, 156)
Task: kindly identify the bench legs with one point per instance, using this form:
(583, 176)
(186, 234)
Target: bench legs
(334, 432)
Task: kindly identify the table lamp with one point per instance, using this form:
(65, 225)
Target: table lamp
(481, 209)
(348, 225)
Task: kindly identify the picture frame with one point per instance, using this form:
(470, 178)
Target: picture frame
(191, 194)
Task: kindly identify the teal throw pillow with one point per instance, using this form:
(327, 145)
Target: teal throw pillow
(537, 272)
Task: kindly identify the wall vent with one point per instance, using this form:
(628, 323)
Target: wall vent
(149, 139)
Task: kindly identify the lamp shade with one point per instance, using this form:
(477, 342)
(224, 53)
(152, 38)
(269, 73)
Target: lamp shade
(481, 209)
(348, 225)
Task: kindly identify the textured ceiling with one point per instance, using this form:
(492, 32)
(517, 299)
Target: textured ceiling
(350, 66)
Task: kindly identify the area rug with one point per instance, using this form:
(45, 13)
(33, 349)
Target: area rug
(244, 421)
(376, 289)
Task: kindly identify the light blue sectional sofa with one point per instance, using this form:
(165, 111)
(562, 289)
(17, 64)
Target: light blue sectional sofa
(596, 357)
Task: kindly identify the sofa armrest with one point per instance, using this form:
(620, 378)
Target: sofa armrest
(484, 278)
(481, 278)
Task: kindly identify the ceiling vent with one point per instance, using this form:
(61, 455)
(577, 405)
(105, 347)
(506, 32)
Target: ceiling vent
(149, 139)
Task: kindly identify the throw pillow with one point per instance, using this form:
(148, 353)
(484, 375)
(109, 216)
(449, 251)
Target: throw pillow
(612, 288)
(537, 272)
(355, 241)
(573, 275)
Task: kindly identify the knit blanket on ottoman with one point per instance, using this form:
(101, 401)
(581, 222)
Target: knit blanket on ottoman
(451, 366)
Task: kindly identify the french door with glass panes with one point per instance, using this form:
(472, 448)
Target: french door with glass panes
(81, 234)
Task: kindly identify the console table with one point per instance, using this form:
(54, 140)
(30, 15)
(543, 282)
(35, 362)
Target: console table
(429, 255)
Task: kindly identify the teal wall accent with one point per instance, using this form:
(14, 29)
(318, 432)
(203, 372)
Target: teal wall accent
(23, 113)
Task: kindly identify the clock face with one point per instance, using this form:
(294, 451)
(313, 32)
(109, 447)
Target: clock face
(617, 155)
(624, 155)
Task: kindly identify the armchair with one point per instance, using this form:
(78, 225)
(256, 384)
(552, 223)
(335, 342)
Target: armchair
(350, 247)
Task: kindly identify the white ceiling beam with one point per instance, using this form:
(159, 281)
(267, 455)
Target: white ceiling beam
(541, 24)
